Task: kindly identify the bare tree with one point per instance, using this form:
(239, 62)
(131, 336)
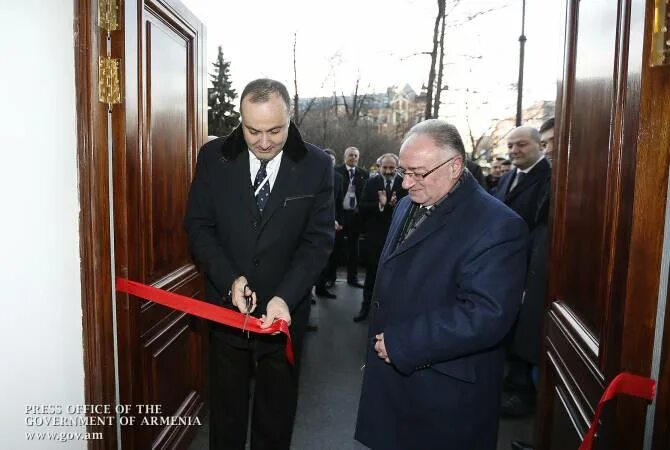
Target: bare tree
(433, 60)
(297, 118)
(358, 101)
(440, 70)
(435, 86)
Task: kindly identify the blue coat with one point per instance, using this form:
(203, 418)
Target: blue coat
(444, 299)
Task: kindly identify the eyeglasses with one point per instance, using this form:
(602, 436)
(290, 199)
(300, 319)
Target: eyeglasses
(416, 176)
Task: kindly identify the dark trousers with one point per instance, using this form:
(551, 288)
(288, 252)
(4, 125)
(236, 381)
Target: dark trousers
(519, 378)
(274, 399)
(330, 272)
(375, 246)
(351, 229)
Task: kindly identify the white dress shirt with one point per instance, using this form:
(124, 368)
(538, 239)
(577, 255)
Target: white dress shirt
(272, 169)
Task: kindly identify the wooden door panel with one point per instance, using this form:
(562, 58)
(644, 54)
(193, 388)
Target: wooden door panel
(606, 224)
(584, 263)
(164, 128)
(167, 157)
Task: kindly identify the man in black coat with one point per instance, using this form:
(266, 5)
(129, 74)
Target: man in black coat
(354, 180)
(260, 223)
(524, 189)
(380, 196)
(527, 337)
(329, 274)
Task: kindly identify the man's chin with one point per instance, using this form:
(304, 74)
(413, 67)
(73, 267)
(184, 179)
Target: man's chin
(417, 198)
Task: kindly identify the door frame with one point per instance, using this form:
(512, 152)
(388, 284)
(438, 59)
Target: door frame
(95, 232)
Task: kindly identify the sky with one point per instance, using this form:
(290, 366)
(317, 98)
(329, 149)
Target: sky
(380, 42)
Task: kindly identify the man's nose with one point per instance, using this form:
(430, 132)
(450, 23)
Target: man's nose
(265, 141)
(407, 182)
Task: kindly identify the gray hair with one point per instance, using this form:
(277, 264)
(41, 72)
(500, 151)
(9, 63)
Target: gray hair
(444, 134)
(260, 91)
(346, 150)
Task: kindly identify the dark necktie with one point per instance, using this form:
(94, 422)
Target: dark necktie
(389, 192)
(417, 215)
(519, 178)
(264, 193)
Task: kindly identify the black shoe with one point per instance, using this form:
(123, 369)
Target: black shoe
(355, 283)
(518, 445)
(517, 405)
(330, 283)
(325, 294)
(362, 315)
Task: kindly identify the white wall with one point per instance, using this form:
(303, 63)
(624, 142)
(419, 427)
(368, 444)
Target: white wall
(41, 316)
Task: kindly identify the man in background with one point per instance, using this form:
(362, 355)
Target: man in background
(525, 190)
(547, 138)
(354, 180)
(380, 196)
(329, 274)
(493, 177)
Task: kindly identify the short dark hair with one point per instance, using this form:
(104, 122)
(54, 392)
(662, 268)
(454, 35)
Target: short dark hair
(506, 162)
(444, 134)
(262, 89)
(329, 152)
(547, 125)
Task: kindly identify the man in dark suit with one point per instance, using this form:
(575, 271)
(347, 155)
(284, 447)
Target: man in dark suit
(260, 222)
(493, 178)
(448, 290)
(329, 274)
(354, 180)
(380, 196)
(523, 189)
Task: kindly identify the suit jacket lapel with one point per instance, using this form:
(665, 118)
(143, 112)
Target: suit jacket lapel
(428, 227)
(436, 220)
(503, 185)
(280, 190)
(531, 177)
(242, 178)
(396, 227)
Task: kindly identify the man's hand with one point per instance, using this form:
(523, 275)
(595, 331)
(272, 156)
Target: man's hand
(276, 309)
(383, 199)
(394, 199)
(239, 290)
(380, 348)
(338, 227)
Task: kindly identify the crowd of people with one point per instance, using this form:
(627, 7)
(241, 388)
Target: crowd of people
(455, 275)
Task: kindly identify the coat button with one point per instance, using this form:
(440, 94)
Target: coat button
(256, 262)
(254, 224)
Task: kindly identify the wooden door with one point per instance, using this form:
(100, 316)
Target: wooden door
(609, 197)
(156, 134)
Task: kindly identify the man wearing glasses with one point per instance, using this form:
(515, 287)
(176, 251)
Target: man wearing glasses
(447, 292)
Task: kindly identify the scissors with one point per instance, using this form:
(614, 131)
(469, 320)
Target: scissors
(249, 301)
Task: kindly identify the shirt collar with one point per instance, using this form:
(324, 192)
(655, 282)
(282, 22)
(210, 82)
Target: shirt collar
(272, 164)
(531, 167)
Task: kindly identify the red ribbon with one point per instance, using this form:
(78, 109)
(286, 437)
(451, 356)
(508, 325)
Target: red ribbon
(624, 383)
(205, 310)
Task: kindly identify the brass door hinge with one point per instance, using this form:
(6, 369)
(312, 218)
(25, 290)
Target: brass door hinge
(660, 37)
(109, 84)
(108, 15)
